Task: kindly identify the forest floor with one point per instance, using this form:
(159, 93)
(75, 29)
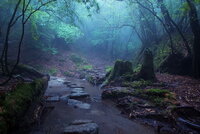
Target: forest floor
(186, 88)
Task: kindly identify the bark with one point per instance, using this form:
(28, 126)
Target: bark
(195, 26)
(166, 16)
(147, 70)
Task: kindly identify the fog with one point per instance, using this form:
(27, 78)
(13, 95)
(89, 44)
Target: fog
(105, 31)
(111, 29)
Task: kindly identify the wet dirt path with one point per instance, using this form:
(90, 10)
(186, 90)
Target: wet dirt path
(102, 112)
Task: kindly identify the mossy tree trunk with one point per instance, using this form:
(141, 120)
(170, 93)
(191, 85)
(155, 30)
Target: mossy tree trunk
(120, 69)
(147, 70)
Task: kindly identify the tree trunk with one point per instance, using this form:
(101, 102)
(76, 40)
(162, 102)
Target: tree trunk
(166, 16)
(195, 26)
(147, 70)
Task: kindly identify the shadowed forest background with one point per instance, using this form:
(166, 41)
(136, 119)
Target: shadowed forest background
(137, 51)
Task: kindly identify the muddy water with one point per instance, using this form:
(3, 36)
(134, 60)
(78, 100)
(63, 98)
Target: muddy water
(102, 112)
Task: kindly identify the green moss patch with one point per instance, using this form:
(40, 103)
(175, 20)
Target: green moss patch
(115, 94)
(17, 102)
(68, 74)
(86, 67)
(108, 68)
(160, 97)
(53, 71)
(137, 84)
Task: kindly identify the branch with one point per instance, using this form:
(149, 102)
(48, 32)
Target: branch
(24, 10)
(44, 4)
(152, 12)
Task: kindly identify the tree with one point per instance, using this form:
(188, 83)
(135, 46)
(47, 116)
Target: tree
(23, 15)
(171, 24)
(195, 27)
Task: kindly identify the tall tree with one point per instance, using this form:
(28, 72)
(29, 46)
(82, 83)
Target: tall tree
(23, 14)
(195, 26)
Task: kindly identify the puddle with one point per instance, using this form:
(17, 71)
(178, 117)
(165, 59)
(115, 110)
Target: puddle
(97, 112)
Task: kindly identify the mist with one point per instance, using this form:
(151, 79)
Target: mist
(99, 66)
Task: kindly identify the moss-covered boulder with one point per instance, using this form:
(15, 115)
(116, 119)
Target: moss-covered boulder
(147, 69)
(16, 103)
(26, 71)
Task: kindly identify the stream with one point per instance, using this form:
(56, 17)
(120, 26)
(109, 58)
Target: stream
(60, 111)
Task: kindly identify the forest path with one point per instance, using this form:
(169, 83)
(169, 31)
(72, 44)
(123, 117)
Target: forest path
(61, 111)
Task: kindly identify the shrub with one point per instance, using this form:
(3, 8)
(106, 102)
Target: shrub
(76, 59)
(53, 71)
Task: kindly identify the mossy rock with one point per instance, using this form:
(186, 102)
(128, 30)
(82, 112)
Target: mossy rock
(17, 102)
(28, 71)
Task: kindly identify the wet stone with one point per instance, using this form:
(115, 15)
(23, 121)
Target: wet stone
(78, 95)
(67, 82)
(64, 97)
(71, 85)
(77, 90)
(76, 86)
(78, 122)
(84, 128)
(78, 104)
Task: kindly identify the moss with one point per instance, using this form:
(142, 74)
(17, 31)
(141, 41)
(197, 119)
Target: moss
(159, 97)
(137, 68)
(115, 94)
(157, 92)
(91, 79)
(137, 84)
(121, 68)
(69, 74)
(53, 71)
(17, 102)
(76, 59)
(108, 68)
(161, 54)
(86, 67)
